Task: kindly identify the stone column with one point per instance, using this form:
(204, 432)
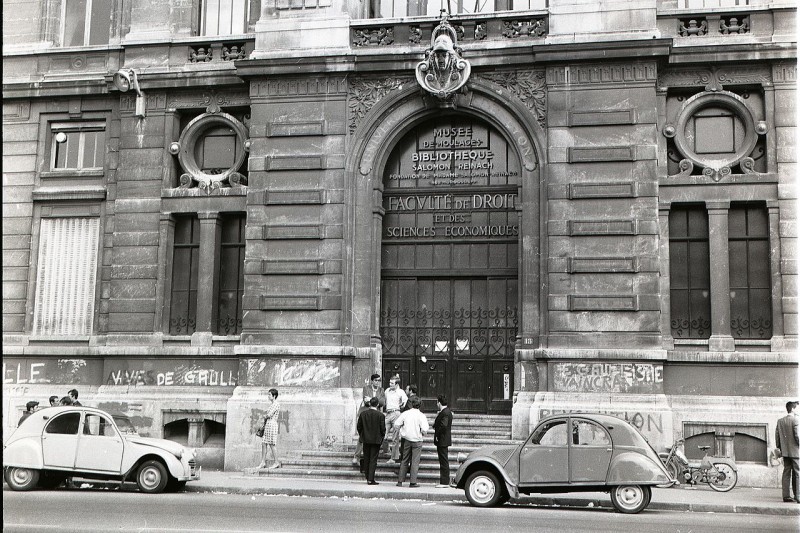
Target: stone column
(721, 339)
(775, 272)
(668, 342)
(208, 270)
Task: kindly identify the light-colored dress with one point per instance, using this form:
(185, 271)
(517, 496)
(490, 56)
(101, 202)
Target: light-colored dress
(271, 427)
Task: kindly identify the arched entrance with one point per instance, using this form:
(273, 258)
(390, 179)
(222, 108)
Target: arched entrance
(460, 279)
(449, 263)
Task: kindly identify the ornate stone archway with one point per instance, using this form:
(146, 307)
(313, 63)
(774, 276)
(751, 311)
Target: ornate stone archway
(402, 107)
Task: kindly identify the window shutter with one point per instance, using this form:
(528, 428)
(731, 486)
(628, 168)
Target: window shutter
(65, 278)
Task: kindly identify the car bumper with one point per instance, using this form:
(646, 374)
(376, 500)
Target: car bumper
(193, 476)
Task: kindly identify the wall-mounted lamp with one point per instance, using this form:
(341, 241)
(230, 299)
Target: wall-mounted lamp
(125, 79)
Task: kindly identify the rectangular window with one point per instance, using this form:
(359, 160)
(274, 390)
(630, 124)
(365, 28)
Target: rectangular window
(231, 275)
(690, 281)
(224, 17)
(185, 259)
(751, 295)
(85, 22)
(65, 277)
(78, 146)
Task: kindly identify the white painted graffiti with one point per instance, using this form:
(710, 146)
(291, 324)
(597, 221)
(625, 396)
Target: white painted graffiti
(607, 377)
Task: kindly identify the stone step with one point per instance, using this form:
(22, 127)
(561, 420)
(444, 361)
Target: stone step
(429, 463)
(354, 475)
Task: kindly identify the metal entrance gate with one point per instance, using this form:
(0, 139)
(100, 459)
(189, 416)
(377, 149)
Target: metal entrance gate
(449, 258)
(453, 337)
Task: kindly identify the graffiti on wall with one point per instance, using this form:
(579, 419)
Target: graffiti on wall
(290, 372)
(171, 373)
(644, 422)
(641, 378)
(52, 371)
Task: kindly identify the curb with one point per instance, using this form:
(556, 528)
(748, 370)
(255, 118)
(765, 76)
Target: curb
(535, 501)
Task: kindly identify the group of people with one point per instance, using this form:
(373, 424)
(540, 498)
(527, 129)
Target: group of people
(70, 399)
(390, 421)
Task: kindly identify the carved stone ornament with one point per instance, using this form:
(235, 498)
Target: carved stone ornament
(443, 71)
(206, 179)
(718, 167)
(528, 86)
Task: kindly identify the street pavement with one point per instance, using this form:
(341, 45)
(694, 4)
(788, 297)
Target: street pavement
(700, 499)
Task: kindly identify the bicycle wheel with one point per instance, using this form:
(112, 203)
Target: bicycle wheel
(724, 479)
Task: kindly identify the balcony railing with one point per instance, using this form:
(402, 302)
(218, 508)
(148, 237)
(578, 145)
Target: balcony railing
(469, 28)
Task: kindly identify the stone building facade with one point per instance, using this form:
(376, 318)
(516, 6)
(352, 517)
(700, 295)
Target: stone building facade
(535, 207)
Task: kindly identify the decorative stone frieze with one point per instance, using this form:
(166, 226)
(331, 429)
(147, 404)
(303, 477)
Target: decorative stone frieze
(533, 27)
(363, 94)
(200, 54)
(601, 74)
(213, 101)
(715, 78)
(528, 86)
(381, 36)
(739, 24)
(297, 87)
(695, 27)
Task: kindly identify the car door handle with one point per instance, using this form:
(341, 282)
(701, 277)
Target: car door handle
(609, 449)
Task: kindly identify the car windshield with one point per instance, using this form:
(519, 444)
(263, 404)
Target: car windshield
(125, 426)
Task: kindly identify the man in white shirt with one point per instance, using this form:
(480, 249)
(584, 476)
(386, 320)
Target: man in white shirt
(395, 400)
(413, 424)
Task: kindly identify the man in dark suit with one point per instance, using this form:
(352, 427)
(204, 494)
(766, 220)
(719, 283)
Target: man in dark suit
(442, 440)
(787, 439)
(371, 427)
(373, 389)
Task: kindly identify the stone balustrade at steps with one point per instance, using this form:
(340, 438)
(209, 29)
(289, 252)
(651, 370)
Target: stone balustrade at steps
(469, 433)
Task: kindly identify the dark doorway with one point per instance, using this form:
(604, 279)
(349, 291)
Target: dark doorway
(449, 295)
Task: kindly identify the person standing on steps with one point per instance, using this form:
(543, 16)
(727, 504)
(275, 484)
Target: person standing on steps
(371, 390)
(442, 440)
(270, 439)
(371, 428)
(73, 393)
(413, 424)
(411, 392)
(787, 440)
(395, 400)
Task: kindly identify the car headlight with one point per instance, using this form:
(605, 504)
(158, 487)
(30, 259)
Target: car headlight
(461, 457)
(179, 453)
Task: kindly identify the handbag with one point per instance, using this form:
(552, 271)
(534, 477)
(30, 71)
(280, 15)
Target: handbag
(260, 431)
(775, 457)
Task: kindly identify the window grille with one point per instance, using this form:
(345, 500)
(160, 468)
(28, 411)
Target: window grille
(690, 280)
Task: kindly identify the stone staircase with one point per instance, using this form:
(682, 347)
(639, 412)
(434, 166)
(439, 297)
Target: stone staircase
(469, 433)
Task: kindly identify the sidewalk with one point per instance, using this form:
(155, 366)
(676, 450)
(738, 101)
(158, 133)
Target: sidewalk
(701, 499)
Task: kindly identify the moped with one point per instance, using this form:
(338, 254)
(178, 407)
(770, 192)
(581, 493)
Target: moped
(718, 472)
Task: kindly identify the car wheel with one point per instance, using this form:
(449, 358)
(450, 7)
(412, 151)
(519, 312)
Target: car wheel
(483, 489)
(152, 477)
(21, 478)
(630, 499)
(724, 479)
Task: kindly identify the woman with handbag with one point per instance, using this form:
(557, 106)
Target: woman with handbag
(269, 436)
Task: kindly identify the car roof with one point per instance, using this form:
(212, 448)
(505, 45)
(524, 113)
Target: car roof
(621, 431)
(35, 422)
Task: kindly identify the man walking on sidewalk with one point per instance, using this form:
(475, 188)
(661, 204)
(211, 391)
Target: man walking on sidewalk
(413, 425)
(371, 429)
(787, 439)
(441, 438)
